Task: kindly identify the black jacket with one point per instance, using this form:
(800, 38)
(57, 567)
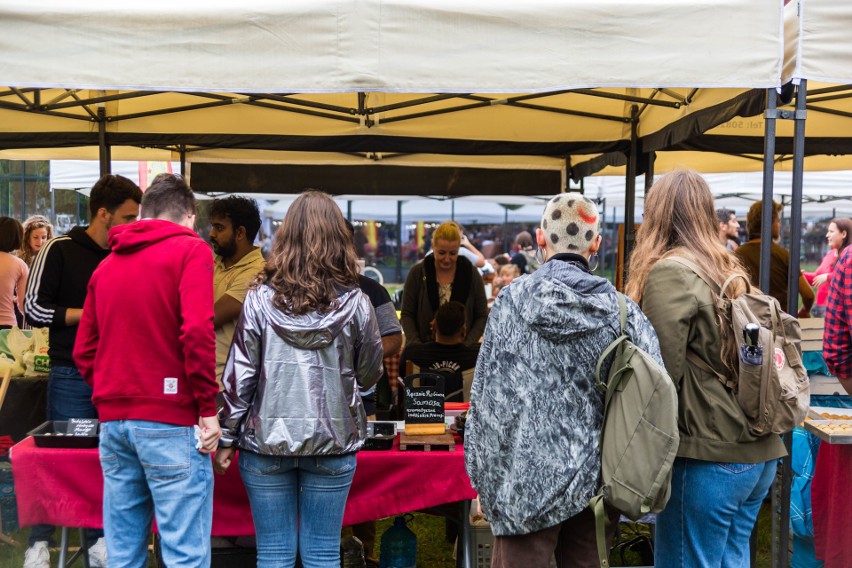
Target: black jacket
(58, 280)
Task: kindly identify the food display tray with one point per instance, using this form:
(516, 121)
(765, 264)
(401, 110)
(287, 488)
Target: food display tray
(832, 431)
(51, 434)
(378, 443)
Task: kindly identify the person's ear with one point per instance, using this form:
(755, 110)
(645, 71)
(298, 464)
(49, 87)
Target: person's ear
(596, 244)
(240, 233)
(540, 239)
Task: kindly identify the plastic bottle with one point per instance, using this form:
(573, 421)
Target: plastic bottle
(398, 547)
(352, 553)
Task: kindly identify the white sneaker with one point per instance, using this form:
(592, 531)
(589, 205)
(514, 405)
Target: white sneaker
(98, 554)
(37, 556)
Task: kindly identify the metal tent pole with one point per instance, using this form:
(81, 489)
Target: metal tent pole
(398, 242)
(104, 150)
(505, 229)
(349, 210)
(630, 190)
(768, 180)
(793, 300)
(183, 161)
(649, 171)
(765, 248)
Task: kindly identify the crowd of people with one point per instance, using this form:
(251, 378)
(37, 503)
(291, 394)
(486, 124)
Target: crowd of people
(281, 359)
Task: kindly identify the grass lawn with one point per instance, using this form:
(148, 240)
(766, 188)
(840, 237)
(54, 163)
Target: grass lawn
(432, 549)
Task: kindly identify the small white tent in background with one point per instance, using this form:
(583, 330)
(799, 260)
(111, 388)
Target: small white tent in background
(80, 175)
(465, 210)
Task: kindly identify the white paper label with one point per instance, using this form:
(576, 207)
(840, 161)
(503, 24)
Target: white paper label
(170, 385)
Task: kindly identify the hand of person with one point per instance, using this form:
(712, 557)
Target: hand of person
(464, 240)
(223, 460)
(210, 433)
(804, 313)
(820, 279)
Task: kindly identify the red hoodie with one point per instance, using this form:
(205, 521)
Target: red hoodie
(146, 343)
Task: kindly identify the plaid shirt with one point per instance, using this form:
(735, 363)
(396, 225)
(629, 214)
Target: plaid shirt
(837, 337)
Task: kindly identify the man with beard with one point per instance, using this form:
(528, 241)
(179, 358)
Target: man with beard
(729, 229)
(234, 223)
(56, 292)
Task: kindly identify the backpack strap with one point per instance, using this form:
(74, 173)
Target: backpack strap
(597, 506)
(622, 319)
(622, 311)
(733, 277)
(693, 358)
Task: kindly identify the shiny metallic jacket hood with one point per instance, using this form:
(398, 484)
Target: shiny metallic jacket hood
(292, 382)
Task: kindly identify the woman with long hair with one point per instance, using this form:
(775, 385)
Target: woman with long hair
(441, 277)
(37, 231)
(838, 235)
(306, 342)
(13, 272)
(722, 472)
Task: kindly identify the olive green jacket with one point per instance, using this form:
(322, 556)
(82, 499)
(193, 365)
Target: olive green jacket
(712, 426)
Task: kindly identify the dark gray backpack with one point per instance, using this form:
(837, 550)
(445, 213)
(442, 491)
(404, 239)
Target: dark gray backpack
(640, 435)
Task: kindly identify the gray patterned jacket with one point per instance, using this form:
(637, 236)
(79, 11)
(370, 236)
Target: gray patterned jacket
(532, 441)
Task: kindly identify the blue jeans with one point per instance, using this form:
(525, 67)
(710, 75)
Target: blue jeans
(711, 513)
(151, 468)
(68, 396)
(297, 504)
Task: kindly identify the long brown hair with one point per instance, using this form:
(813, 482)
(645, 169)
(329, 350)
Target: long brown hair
(313, 257)
(27, 254)
(679, 220)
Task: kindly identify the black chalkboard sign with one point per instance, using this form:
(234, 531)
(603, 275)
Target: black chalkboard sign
(424, 399)
(82, 427)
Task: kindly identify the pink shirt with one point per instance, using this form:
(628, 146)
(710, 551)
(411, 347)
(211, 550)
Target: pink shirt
(825, 267)
(13, 285)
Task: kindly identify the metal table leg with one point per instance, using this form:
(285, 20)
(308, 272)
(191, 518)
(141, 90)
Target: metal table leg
(63, 547)
(463, 559)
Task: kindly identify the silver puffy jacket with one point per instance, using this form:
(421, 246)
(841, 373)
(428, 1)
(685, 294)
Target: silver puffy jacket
(292, 382)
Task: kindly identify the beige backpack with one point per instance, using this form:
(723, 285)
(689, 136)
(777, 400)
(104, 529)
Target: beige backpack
(772, 389)
(640, 436)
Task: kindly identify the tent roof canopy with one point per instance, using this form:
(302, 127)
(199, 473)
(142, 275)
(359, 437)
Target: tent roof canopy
(262, 80)
(403, 46)
(817, 48)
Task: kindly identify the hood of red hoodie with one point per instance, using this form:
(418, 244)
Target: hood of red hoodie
(126, 239)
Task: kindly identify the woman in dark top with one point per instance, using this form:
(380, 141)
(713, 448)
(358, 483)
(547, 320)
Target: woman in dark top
(439, 278)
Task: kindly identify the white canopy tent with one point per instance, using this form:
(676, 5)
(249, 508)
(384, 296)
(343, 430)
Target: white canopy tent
(491, 83)
(396, 46)
(817, 49)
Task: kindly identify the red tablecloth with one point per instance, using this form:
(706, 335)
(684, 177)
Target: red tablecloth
(831, 500)
(64, 487)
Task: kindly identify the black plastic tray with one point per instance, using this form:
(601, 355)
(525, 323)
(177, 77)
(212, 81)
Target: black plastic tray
(378, 443)
(45, 436)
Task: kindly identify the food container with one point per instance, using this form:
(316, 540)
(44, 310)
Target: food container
(380, 436)
(832, 431)
(52, 434)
